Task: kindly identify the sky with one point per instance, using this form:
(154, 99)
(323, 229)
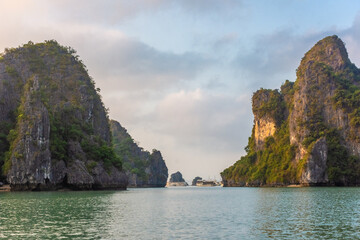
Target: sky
(179, 74)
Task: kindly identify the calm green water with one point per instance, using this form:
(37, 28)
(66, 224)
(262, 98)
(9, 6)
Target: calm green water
(183, 213)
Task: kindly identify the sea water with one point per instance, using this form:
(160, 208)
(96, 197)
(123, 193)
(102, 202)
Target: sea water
(183, 213)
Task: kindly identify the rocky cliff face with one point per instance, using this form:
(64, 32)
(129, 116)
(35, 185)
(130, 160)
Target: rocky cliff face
(308, 133)
(54, 129)
(144, 169)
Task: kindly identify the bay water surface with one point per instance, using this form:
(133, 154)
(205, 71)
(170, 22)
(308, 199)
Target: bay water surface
(183, 213)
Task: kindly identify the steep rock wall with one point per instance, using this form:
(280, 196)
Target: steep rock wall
(263, 128)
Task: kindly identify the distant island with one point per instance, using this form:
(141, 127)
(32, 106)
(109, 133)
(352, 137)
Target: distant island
(308, 133)
(199, 182)
(194, 181)
(143, 168)
(55, 132)
(176, 180)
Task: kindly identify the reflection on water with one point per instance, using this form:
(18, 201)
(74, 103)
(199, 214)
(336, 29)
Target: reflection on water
(183, 213)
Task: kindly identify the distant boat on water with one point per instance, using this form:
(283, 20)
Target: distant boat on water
(207, 183)
(176, 184)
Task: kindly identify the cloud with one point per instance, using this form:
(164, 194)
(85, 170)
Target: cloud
(134, 65)
(82, 11)
(224, 7)
(275, 57)
(225, 40)
(206, 116)
(351, 38)
(215, 83)
(116, 61)
(111, 12)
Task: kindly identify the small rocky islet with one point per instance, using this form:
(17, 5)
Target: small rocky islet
(308, 133)
(55, 132)
(194, 181)
(176, 180)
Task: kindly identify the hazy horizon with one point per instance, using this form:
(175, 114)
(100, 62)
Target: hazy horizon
(179, 75)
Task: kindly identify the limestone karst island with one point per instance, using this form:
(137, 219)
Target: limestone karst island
(55, 132)
(308, 132)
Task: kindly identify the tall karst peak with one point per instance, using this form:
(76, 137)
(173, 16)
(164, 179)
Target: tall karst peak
(309, 132)
(329, 51)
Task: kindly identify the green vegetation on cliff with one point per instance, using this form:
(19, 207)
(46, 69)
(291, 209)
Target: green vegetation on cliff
(142, 167)
(263, 166)
(269, 103)
(125, 147)
(347, 96)
(7, 135)
(341, 165)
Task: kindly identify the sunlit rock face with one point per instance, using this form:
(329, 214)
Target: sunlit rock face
(263, 128)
